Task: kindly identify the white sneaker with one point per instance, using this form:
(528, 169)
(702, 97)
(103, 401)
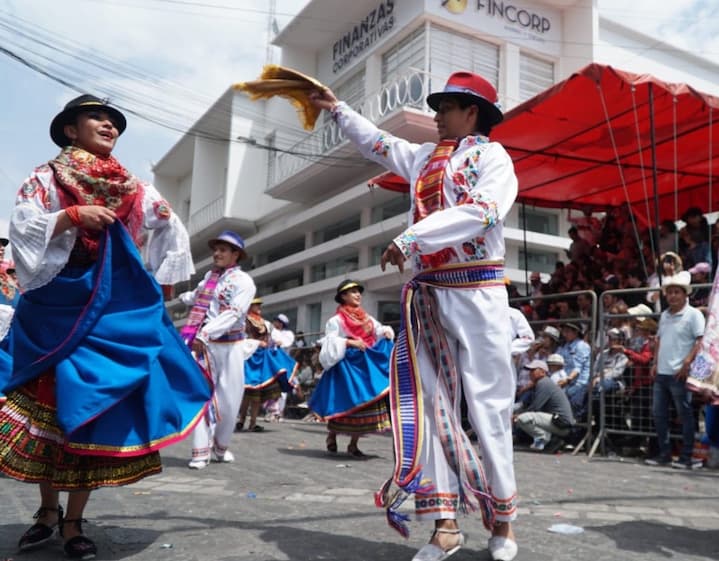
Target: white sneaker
(198, 464)
(538, 444)
(226, 458)
(502, 549)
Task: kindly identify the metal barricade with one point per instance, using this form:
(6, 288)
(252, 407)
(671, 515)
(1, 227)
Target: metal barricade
(587, 424)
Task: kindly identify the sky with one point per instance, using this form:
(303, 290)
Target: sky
(167, 61)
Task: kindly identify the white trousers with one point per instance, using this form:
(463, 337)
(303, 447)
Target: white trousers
(227, 363)
(477, 327)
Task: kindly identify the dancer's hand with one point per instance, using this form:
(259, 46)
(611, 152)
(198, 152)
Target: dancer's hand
(323, 99)
(394, 256)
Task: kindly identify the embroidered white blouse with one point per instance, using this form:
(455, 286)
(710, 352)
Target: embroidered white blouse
(479, 189)
(39, 257)
(228, 309)
(334, 343)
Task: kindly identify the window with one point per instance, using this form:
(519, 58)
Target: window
(285, 282)
(406, 55)
(377, 251)
(535, 75)
(351, 91)
(339, 228)
(450, 51)
(388, 313)
(335, 267)
(538, 221)
(393, 207)
(280, 252)
(535, 260)
(314, 318)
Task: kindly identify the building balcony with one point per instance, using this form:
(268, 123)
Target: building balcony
(325, 159)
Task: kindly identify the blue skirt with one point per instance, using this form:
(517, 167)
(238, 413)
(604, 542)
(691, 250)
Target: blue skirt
(267, 366)
(359, 379)
(126, 384)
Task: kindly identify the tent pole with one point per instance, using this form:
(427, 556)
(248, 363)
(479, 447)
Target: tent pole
(655, 180)
(524, 236)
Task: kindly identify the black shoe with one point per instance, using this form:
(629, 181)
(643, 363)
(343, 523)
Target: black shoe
(39, 534)
(687, 463)
(554, 445)
(80, 547)
(658, 461)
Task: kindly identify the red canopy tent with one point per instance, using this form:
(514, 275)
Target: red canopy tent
(604, 137)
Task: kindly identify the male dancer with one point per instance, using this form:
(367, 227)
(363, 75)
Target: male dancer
(215, 329)
(461, 191)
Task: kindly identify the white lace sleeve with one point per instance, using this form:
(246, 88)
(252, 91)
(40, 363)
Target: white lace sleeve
(168, 250)
(38, 256)
(334, 343)
(6, 314)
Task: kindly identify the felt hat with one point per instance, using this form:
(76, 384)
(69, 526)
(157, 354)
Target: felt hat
(473, 88)
(551, 332)
(232, 238)
(85, 102)
(555, 358)
(682, 279)
(256, 300)
(572, 325)
(4, 242)
(346, 285)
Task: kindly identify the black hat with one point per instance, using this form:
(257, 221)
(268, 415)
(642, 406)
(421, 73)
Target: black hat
(573, 325)
(85, 102)
(346, 285)
(4, 242)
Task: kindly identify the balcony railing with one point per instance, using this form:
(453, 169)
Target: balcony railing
(410, 90)
(207, 215)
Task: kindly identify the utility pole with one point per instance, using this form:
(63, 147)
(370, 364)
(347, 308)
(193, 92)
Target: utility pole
(271, 30)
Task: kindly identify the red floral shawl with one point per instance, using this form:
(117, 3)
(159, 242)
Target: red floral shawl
(86, 179)
(357, 323)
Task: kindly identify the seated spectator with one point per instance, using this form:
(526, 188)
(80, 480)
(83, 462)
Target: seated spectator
(548, 418)
(610, 364)
(700, 275)
(577, 355)
(557, 374)
(693, 247)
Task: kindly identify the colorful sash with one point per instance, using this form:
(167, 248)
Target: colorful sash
(429, 192)
(199, 310)
(418, 318)
(704, 372)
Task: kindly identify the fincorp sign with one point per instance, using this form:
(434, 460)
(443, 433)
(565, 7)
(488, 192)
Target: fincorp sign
(506, 11)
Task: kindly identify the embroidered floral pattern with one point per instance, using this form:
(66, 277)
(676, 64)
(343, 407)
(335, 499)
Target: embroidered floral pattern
(407, 242)
(381, 146)
(161, 209)
(505, 507)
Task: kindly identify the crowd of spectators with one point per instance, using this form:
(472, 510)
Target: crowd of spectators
(605, 255)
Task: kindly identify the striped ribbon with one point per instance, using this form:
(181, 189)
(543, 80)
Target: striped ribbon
(418, 318)
(199, 309)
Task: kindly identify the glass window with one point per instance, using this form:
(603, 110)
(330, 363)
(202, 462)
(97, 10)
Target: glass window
(339, 228)
(285, 250)
(535, 75)
(450, 50)
(285, 282)
(393, 207)
(537, 221)
(351, 91)
(388, 312)
(536, 260)
(314, 318)
(335, 267)
(405, 56)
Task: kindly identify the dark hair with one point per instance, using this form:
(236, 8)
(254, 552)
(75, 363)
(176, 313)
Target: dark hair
(482, 126)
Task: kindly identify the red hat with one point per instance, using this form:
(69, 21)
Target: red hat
(474, 88)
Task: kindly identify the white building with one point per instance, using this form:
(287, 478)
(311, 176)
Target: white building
(301, 199)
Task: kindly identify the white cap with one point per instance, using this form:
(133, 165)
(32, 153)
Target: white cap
(283, 318)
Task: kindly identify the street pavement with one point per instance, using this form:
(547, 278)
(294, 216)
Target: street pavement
(286, 498)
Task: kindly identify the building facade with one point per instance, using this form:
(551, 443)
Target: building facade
(302, 200)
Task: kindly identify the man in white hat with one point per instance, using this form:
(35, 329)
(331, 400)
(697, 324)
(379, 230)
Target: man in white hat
(678, 340)
(461, 190)
(215, 331)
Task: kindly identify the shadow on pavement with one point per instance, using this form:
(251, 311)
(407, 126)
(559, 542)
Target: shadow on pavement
(663, 540)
